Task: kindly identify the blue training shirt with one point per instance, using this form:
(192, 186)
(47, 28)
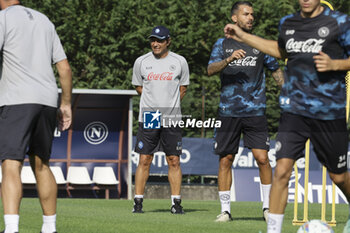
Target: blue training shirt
(306, 92)
(243, 80)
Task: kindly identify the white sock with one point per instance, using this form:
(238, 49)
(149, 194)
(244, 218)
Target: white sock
(11, 223)
(225, 200)
(274, 225)
(49, 224)
(266, 194)
(173, 197)
(139, 196)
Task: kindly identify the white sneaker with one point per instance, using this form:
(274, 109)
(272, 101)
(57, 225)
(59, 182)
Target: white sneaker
(224, 217)
(265, 214)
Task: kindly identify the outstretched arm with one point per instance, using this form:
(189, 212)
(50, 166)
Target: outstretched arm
(269, 47)
(216, 67)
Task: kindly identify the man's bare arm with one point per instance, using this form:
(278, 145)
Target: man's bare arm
(278, 76)
(324, 63)
(65, 110)
(269, 47)
(217, 67)
(183, 90)
(138, 89)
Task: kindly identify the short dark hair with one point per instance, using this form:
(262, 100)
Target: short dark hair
(236, 5)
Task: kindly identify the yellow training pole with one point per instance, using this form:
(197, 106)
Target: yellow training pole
(306, 180)
(324, 183)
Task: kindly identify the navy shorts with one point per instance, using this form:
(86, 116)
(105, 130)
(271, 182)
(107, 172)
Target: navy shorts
(254, 129)
(168, 140)
(328, 137)
(26, 129)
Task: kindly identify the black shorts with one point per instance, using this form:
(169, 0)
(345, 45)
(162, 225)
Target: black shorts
(26, 129)
(328, 137)
(168, 140)
(254, 129)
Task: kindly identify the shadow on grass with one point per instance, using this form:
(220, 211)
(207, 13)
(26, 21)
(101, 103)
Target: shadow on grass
(168, 210)
(260, 219)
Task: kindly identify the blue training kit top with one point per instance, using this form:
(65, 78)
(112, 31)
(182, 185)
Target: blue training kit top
(243, 80)
(307, 92)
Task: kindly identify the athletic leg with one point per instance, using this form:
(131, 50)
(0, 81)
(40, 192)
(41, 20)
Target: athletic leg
(174, 174)
(47, 191)
(279, 194)
(226, 146)
(225, 182)
(265, 172)
(11, 191)
(175, 180)
(142, 173)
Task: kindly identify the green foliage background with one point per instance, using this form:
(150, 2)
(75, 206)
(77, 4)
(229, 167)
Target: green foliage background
(102, 39)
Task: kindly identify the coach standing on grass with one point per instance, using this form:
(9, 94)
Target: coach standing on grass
(161, 78)
(242, 106)
(28, 107)
(316, 42)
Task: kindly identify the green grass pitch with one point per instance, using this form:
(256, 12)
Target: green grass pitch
(114, 216)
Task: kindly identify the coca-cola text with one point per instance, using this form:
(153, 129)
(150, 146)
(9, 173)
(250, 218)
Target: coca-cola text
(308, 46)
(247, 61)
(163, 76)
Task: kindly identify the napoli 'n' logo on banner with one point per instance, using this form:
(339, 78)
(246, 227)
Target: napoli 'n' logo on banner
(96, 132)
(151, 120)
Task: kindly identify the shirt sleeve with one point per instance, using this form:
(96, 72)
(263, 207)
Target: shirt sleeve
(136, 74)
(185, 73)
(344, 37)
(270, 62)
(217, 54)
(2, 29)
(280, 39)
(58, 53)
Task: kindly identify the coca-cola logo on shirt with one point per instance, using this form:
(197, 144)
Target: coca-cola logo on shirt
(247, 61)
(308, 46)
(163, 76)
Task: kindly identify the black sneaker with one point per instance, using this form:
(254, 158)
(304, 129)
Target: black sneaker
(4, 231)
(177, 208)
(138, 205)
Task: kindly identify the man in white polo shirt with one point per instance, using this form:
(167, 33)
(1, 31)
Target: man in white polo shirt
(161, 78)
(28, 107)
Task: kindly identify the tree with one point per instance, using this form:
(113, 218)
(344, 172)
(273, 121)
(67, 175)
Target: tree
(102, 39)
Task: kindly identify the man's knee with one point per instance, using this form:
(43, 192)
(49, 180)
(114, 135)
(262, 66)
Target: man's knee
(226, 162)
(261, 157)
(283, 170)
(145, 160)
(11, 167)
(173, 161)
(263, 161)
(38, 164)
(339, 179)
